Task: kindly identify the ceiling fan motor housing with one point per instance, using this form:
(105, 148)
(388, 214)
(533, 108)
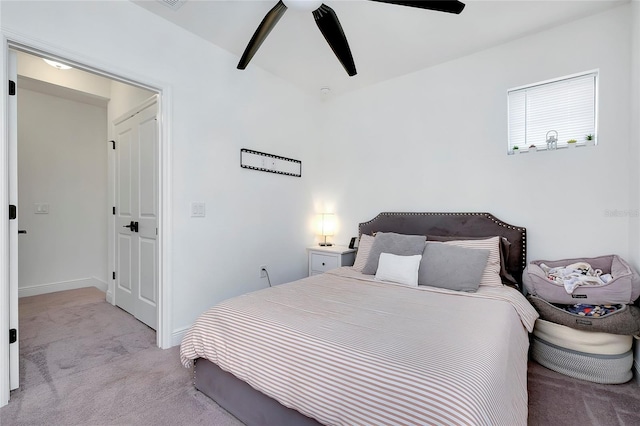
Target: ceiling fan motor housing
(303, 5)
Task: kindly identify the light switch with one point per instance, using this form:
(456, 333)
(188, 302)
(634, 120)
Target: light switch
(198, 210)
(41, 208)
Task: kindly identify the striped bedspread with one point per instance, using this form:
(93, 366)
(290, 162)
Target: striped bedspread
(347, 350)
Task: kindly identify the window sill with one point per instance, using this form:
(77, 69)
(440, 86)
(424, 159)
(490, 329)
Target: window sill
(560, 148)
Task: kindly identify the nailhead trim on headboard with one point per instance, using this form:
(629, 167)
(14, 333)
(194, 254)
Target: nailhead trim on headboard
(522, 230)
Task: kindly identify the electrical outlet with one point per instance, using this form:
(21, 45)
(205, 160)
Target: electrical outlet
(263, 271)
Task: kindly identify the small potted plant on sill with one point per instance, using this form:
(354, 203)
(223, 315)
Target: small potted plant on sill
(589, 141)
(571, 143)
(515, 149)
(533, 148)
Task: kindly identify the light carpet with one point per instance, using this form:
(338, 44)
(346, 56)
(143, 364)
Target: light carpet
(86, 362)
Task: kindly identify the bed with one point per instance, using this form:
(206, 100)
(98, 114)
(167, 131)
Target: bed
(343, 348)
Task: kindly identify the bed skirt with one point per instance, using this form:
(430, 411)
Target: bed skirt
(251, 407)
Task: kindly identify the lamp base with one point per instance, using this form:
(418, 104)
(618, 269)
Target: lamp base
(325, 244)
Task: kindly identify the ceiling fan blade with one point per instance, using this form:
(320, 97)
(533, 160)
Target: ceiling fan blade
(330, 27)
(451, 6)
(268, 23)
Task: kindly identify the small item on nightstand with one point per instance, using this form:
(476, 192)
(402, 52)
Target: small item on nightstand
(352, 244)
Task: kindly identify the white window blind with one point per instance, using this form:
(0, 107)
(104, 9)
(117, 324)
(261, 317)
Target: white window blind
(566, 105)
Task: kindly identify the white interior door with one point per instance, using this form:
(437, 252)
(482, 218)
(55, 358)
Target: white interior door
(136, 224)
(14, 353)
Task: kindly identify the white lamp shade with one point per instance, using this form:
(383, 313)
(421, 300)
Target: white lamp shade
(326, 224)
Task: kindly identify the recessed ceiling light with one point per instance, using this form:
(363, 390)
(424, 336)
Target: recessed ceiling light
(57, 64)
(325, 90)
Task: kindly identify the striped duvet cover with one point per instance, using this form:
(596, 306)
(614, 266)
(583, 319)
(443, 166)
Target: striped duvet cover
(347, 350)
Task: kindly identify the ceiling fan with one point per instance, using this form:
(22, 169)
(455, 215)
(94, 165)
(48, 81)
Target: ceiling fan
(329, 26)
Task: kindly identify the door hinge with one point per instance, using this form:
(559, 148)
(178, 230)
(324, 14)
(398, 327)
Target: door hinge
(12, 88)
(113, 275)
(114, 144)
(13, 335)
(114, 210)
(13, 212)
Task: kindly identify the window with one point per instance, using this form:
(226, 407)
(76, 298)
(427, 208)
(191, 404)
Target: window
(567, 105)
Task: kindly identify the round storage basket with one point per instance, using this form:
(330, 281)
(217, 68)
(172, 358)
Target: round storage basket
(625, 320)
(591, 356)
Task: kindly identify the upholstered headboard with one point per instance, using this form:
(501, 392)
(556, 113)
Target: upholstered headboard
(456, 225)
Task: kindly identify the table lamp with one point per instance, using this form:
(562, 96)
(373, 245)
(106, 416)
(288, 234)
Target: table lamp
(326, 227)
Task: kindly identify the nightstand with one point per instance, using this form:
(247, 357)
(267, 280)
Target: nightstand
(322, 259)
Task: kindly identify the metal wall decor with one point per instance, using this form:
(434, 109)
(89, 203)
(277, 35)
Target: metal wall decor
(261, 161)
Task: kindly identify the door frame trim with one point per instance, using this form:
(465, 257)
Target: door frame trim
(97, 65)
(4, 229)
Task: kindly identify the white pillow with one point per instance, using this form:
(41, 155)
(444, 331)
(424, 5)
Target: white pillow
(362, 255)
(491, 274)
(399, 269)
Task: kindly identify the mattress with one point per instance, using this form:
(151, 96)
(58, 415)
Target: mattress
(343, 348)
(591, 356)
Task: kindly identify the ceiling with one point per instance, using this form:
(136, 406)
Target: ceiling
(386, 40)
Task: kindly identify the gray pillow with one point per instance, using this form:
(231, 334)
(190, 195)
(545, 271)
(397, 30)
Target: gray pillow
(390, 242)
(452, 267)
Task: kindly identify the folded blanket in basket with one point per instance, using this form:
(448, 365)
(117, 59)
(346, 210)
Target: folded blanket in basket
(595, 311)
(575, 275)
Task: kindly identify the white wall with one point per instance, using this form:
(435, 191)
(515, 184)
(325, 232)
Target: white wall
(61, 162)
(634, 131)
(436, 140)
(253, 218)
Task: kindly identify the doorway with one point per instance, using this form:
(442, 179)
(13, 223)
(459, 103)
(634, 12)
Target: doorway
(62, 178)
(44, 207)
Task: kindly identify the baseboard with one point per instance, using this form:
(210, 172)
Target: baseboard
(61, 286)
(176, 336)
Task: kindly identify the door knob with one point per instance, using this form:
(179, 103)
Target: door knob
(133, 226)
